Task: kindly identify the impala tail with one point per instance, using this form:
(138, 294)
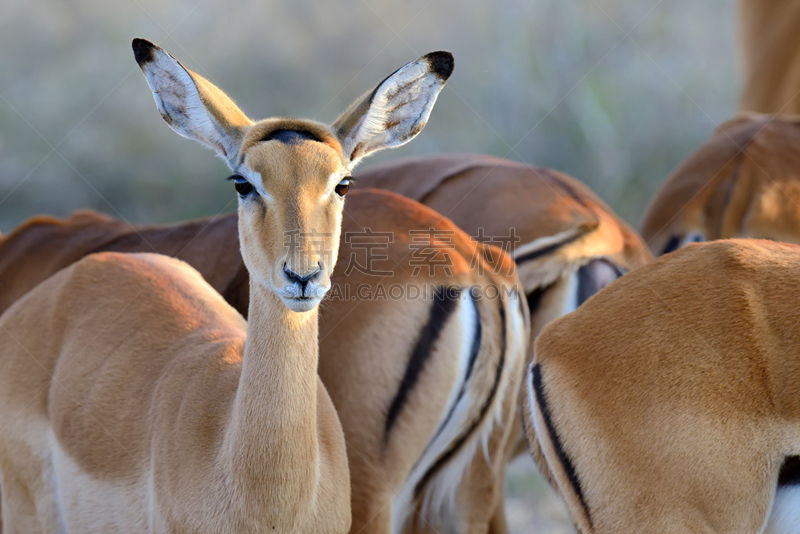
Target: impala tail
(481, 399)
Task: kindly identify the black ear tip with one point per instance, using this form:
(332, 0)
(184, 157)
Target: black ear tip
(143, 51)
(442, 63)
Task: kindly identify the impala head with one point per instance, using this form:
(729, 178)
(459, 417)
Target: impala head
(291, 175)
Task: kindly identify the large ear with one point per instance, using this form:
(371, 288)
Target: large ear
(395, 111)
(191, 105)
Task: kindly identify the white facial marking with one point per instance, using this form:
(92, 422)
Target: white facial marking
(255, 180)
(333, 181)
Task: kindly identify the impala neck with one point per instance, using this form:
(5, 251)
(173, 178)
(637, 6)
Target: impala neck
(271, 442)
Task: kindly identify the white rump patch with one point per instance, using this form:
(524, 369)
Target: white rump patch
(693, 237)
(547, 241)
(570, 302)
(439, 498)
(402, 510)
(785, 515)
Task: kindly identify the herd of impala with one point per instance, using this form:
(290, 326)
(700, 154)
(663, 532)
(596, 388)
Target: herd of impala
(135, 397)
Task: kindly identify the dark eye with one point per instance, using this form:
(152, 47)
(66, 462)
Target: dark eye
(343, 187)
(242, 186)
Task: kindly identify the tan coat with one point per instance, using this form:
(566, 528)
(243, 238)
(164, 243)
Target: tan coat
(770, 31)
(743, 182)
(669, 401)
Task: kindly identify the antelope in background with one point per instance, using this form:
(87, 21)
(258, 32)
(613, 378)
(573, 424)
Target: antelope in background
(429, 441)
(769, 31)
(743, 182)
(669, 402)
(568, 244)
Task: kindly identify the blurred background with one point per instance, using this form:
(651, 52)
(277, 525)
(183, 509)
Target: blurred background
(614, 92)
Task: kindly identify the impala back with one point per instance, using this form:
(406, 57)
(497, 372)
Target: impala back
(743, 182)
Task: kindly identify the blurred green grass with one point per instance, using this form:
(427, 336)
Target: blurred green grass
(532, 507)
(614, 92)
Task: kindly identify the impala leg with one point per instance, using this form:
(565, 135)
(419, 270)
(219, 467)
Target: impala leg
(497, 524)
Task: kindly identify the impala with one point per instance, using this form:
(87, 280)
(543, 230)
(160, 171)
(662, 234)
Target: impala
(567, 243)
(669, 401)
(743, 182)
(424, 389)
(769, 42)
(574, 243)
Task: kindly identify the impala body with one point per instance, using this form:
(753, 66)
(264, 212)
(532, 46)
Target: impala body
(424, 389)
(566, 242)
(770, 35)
(669, 402)
(743, 182)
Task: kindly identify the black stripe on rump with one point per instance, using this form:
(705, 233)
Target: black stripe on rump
(790, 472)
(515, 294)
(546, 250)
(534, 299)
(444, 458)
(473, 355)
(444, 304)
(566, 464)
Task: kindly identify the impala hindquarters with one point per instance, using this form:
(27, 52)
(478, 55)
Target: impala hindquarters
(567, 243)
(668, 402)
(459, 347)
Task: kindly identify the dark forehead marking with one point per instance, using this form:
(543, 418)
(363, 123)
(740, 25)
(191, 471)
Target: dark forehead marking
(265, 129)
(291, 137)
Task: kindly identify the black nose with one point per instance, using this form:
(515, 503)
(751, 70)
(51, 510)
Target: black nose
(302, 280)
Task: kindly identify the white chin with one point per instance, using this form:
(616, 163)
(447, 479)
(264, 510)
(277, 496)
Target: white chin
(301, 305)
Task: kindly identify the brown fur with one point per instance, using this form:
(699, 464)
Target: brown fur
(364, 346)
(769, 41)
(483, 192)
(743, 182)
(673, 395)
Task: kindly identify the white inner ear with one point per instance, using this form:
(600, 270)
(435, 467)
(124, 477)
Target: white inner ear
(179, 102)
(399, 109)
